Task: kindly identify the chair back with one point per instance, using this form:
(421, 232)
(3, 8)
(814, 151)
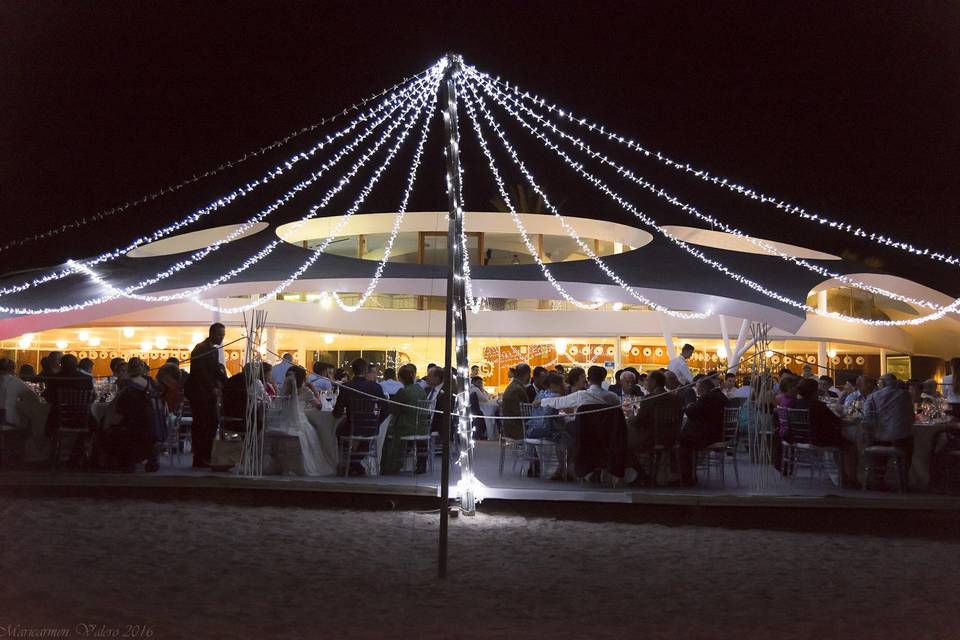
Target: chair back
(798, 424)
(666, 426)
(73, 408)
(424, 417)
(731, 423)
(364, 417)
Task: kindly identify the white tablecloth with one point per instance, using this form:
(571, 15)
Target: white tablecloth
(326, 426)
(490, 410)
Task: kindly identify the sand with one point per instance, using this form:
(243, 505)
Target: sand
(207, 570)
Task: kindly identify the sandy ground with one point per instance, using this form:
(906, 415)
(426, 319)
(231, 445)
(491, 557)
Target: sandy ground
(207, 570)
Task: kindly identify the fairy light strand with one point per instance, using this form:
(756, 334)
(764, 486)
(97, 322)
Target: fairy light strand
(726, 183)
(105, 213)
(391, 102)
(685, 207)
(469, 98)
(737, 277)
(114, 292)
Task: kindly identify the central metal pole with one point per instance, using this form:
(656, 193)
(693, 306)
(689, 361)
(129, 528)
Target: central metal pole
(455, 331)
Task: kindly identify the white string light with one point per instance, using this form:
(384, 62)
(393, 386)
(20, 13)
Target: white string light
(469, 97)
(747, 192)
(398, 219)
(601, 186)
(318, 251)
(391, 103)
(226, 165)
(128, 292)
(686, 208)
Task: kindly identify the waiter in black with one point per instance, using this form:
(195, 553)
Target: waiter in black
(206, 378)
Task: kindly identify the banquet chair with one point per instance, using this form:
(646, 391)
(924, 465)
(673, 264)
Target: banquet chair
(536, 450)
(715, 455)
(802, 451)
(73, 417)
(875, 458)
(666, 435)
(282, 451)
(172, 442)
(422, 443)
(360, 443)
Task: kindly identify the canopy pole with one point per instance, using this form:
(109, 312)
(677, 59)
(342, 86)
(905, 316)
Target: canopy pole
(455, 327)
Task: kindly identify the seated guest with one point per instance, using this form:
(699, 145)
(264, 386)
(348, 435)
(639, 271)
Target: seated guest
(134, 430)
(559, 369)
(704, 427)
(358, 388)
(930, 391)
(848, 388)
(537, 384)
(389, 383)
(267, 376)
(118, 370)
(319, 380)
(68, 378)
(513, 396)
(235, 398)
(19, 407)
(433, 383)
(642, 383)
(785, 399)
(915, 389)
(826, 429)
(888, 417)
(407, 421)
(729, 385)
(51, 365)
(628, 385)
(686, 393)
(576, 380)
(423, 382)
(168, 379)
(542, 425)
(594, 394)
(615, 387)
(477, 389)
(372, 372)
(642, 427)
(825, 388)
(85, 366)
(27, 373)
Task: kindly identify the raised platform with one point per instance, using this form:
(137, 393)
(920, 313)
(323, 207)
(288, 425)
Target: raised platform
(511, 486)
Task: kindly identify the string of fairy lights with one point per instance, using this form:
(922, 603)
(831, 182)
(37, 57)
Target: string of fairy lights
(394, 116)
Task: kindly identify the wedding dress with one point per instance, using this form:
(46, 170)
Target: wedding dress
(292, 420)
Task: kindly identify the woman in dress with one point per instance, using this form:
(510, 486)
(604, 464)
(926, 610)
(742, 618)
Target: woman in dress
(405, 422)
(294, 422)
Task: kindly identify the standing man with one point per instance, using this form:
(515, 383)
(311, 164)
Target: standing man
(679, 365)
(202, 389)
(513, 396)
(280, 369)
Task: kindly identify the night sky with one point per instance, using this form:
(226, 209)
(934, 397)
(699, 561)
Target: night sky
(844, 107)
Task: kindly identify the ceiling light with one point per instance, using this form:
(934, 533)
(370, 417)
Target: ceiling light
(196, 337)
(832, 353)
(62, 344)
(617, 306)
(146, 345)
(328, 339)
(722, 352)
(162, 342)
(25, 342)
(128, 332)
(84, 335)
(94, 342)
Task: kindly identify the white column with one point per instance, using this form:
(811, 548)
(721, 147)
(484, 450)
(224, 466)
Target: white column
(822, 361)
(822, 301)
(726, 338)
(883, 361)
(667, 337)
(272, 345)
(617, 354)
(740, 347)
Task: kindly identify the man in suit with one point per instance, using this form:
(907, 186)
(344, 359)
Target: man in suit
(206, 379)
(539, 383)
(704, 427)
(358, 388)
(513, 396)
(642, 427)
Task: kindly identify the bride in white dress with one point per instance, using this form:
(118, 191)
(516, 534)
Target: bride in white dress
(292, 420)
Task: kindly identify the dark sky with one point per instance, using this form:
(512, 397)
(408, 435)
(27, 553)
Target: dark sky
(846, 107)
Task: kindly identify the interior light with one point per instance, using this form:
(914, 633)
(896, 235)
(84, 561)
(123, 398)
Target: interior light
(146, 345)
(162, 342)
(25, 342)
(84, 335)
(722, 352)
(196, 337)
(625, 346)
(128, 332)
(328, 339)
(62, 344)
(617, 306)
(832, 353)
(768, 353)
(94, 342)
(561, 346)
